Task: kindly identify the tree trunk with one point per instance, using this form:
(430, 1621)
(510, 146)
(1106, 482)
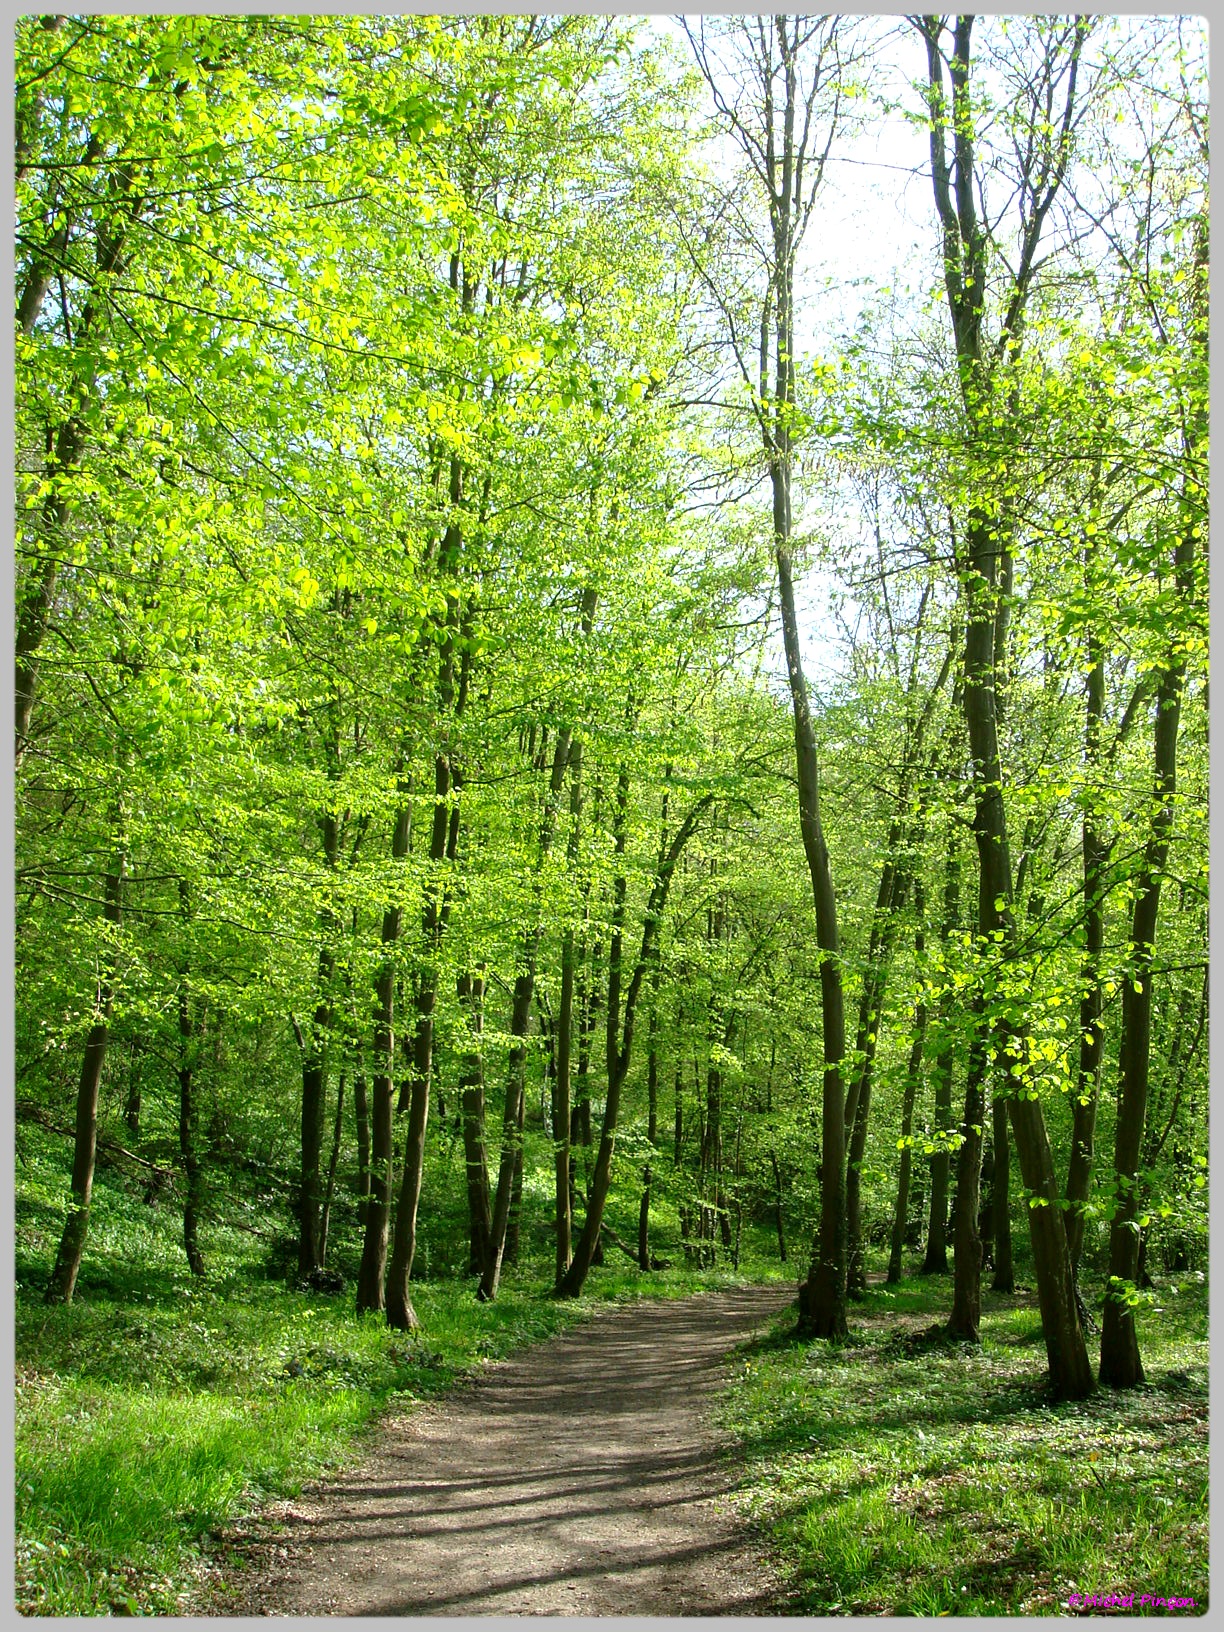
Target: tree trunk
(514, 1221)
(1070, 1373)
(913, 1074)
(520, 1015)
(191, 1165)
(131, 1107)
(858, 1100)
(652, 1115)
(822, 1299)
(1092, 1002)
(935, 1261)
(966, 1313)
(1121, 1366)
(76, 1226)
(619, 1033)
(561, 1108)
(371, 1277)
(966, 256)
(470, 991)
(314, 1089)
(1000, 1213)
(414, 1092)
(361, 1106)
(443, 845)
(773, 1157)
(333, 1161)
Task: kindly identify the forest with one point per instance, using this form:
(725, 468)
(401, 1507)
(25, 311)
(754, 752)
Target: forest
(584, 743)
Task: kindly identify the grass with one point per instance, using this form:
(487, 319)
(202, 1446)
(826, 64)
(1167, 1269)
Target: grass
(155, 1411)
(903, 1478)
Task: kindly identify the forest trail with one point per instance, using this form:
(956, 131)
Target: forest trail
(581, 1477)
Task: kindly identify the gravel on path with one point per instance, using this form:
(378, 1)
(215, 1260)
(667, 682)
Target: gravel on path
(584, 1476)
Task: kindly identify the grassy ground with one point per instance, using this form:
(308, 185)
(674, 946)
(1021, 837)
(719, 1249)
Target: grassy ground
(155, 1411)
(906, 1479)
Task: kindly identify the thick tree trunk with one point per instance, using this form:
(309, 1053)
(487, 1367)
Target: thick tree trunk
(1070, 1373)
(966, 254)
(76, 1226)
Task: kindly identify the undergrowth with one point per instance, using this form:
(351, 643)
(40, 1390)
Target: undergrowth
(899, 1476)
(156, 1410)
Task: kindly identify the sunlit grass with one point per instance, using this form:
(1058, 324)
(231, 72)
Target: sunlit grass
(156, 1410)
(936, 1480)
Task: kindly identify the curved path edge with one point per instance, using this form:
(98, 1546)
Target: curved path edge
(582, 1476)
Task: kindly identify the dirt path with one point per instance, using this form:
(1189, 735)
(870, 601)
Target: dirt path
(580, 1478)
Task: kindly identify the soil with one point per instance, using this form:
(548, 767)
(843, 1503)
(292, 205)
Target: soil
(584, 1476)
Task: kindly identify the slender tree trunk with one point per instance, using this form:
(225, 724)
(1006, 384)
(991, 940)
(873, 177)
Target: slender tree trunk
(470, 991)
(561, 1108)
(401, 1316)
(778, 1218)
(967, 1255)
(314, 1089)
(858, 1100)
(361, 1106)
(76, 1225)
(913, 1074)
(822, 1298)
(936, 1259)
(1000, 1212)
(652, 1116)
(443, 845)
(513, 1222)
(187, 1149)
(371, 1276)
(1092, 1002)
(333, 1161)
(131, 1108)
(520, 1015)
(619, 1032)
